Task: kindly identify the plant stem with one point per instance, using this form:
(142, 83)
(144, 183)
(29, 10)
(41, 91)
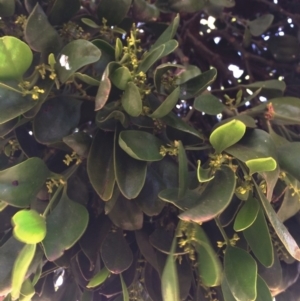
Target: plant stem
(227, 240)
(52, 200)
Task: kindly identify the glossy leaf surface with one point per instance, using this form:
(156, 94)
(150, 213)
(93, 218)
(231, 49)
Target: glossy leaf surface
(29, 226)
(208, 104)
(261, 165)
(131, 100)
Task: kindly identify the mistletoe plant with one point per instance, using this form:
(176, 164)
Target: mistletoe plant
(108, 189)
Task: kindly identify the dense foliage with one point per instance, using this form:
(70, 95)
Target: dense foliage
(149, 151)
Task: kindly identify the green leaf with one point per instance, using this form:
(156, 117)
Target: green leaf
(39, 34)
(241, 273)
(197, 84)
(258, 26)
(150, 58)
(167, 106)
(20, 184)
(130, 173)
(75, 55)
(15, 58)
(281, 231)
(63, 10)
(261, 164)
(227, 294)
(120, 77)
(168, 34)
(114, 11)
(169, 278)
(203, 175)
(188, 6)
(87, 79)
(29, 226)
(286, 110)
(190, 72)
(270, 88)
(170, 46)
(99, 278)
(144, 11)
(288, 158)
(183, 170)
(131, 100)
(141, 145)
(115, 252)
(56, 119)
(7, 8)
(215, 198)
(208, 104)
(124, 289)
(259, 240)
(118, 49)
(209, 265)
(13, 103)
(100, 165)
(27, 291)
(247, 215)
(20, 268)
(80, 142)
(227, 134)
(65, 225)
(263, 291)
(225, 3)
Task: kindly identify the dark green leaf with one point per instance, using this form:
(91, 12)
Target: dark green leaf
(126, 214)
(169, 33)
(130, 173)
(227, 135)
(263, 291)
(197, 84)
(281, 231)
(75, 55)
(259, 240)
(189, 6)
(13, 103)
(63, 10)
(7, 8)
(87, 79)
(270, 88)
(20, 184)
(190, 72)
(169, 278)
(241, 273)
(90, 23)
(170, 46)
(100, 165)
(209, 265)
(115, 252)
(65, 225)
(183, 170)
(56, 119)
(258, 26)
(114, 11)
(99, 278)
(15, 57)
(208, 104)
(150, 58)
(39, 34)
(247, 215)
(29, 226)
(167, 105)
(141, 145)
(80, 142)
(227, 294)
(215, 198)
(120, 77)
(20, 268)
(131, 100)
(144, 11)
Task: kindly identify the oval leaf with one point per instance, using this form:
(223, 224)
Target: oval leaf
(20, 268)
(258, 26)
(29, 226)
(15, 58)
(259, 240)
(115, 252)
(215, 198)
(169, 278)
(227, 134)
(120, 77)
(247, 215)
(263, 291)
(67, 221)
(131, 100)
(241, 273)
(261, 164)
(150, 58)
(20, 184)
(209, 265)
(99, 278)
(75, 55)
(208, 104)
(141, 145)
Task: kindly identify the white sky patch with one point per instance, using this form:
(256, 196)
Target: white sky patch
(281, 33)
(249, 91)
(219, 116)
(237, 72)
(281, 77)
(64, 62)
(262, 98)
(266, 38)
(209, 88)
(247, 103)
(290, 20)
(210, 22)
(30, 133)
(275, 1)
(217, 40)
